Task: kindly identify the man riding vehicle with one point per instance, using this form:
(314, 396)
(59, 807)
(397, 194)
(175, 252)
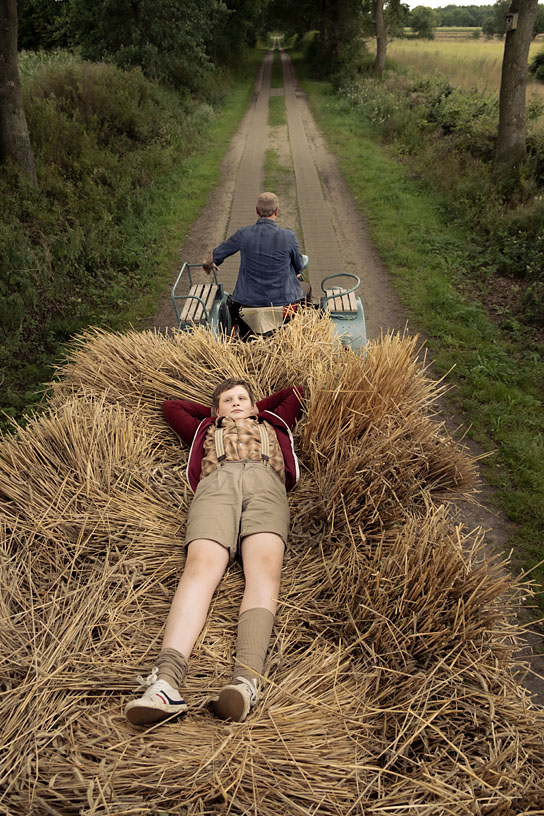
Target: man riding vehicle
(270, 261)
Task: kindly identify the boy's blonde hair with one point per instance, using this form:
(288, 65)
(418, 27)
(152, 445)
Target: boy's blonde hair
(229, 383)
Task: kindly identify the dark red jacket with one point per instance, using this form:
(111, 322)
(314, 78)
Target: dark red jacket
(191, 420)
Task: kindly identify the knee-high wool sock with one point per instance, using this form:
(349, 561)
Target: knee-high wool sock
(254, 631)
(172, 666)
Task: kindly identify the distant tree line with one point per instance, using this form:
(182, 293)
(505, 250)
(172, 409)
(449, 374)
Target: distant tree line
(463, 15)
(490, 19)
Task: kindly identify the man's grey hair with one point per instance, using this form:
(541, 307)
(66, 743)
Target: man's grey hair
(266, 213)
(267, 204)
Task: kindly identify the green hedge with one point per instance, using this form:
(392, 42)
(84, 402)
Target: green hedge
(78, 249)
(450, 136)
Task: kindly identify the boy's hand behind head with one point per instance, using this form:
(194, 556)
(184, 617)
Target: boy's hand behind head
(236, 403)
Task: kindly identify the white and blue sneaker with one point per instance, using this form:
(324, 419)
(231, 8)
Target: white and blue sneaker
(236, 700)
(159, 701)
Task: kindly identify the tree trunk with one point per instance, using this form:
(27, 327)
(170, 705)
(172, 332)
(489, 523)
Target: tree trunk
(14, 138)
(511, 148)
(381, 40)
(330, 30)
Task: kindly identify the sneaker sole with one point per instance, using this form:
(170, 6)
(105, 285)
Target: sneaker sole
(231, 705)
(149, 714)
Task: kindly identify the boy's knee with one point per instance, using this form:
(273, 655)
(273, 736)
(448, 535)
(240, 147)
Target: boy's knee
(264, 553)
(204, 555)
(265, 545)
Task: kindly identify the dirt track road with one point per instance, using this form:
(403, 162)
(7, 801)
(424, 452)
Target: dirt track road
(316, 203)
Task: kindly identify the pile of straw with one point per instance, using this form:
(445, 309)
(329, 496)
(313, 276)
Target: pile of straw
(391, 685)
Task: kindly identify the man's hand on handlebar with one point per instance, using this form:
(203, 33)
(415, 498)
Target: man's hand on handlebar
(208, 264)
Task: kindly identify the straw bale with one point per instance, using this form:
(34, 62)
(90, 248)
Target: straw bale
(391, 681)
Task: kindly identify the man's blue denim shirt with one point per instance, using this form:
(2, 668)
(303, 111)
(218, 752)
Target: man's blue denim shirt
(269, 262)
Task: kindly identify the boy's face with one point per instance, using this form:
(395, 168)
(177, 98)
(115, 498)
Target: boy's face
(235, 403)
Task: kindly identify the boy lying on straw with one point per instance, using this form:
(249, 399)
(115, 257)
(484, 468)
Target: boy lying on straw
(240, 465)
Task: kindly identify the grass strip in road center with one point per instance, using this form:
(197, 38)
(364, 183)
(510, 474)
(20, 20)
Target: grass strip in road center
(277, 114)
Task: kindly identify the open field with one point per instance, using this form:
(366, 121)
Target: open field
(450, 32)
(462, 33)
(467, 63)
(456, 32)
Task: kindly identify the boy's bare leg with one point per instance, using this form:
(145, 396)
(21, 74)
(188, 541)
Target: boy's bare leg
(204, 567)
(205, 564)
(262, 557)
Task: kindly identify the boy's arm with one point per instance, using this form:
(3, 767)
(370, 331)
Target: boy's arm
(286, 403)
(184, 417)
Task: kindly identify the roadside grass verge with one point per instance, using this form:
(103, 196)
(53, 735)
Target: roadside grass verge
(498, 380)
(98, 243)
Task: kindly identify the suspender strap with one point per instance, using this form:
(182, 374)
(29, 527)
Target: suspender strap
(220, 443)
(265, 443)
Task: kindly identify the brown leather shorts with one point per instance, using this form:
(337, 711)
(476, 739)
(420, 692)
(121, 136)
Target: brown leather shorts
(236, 500)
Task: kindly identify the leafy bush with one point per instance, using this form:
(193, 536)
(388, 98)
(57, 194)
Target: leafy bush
(73, 247)
(535, 157)
(533, 303)
(352, 59)
(423, 21)
(451, 135)
(517, 238)
(406, 106)
(536, 66)
(375, 101)
(471, 117)
(116, 109)
(166, 40)
(30, 62)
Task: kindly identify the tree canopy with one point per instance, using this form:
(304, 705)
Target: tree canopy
(454, 15)
(177, 41)
(167, 40)
(491, 19)
(423, 21)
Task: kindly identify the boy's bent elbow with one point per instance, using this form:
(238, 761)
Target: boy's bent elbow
(178, 419)
(171, 411)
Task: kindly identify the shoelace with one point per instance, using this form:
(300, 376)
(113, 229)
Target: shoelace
(251, 686)
(149, 680)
